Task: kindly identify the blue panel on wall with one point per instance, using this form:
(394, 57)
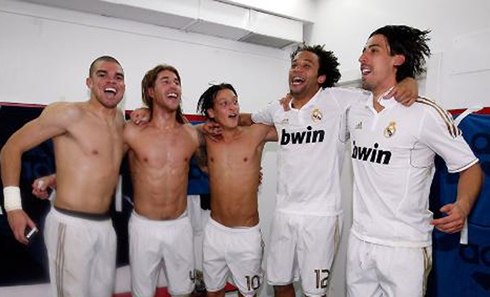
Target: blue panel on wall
(463, 270)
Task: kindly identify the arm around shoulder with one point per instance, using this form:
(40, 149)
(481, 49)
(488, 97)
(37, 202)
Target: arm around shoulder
(245, 119)
(265, 132)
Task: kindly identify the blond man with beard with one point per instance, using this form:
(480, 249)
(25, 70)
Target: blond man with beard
(160, 232)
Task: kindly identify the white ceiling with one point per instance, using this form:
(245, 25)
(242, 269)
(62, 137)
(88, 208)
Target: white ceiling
(209, 17)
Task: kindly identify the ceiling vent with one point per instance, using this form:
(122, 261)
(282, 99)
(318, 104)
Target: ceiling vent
(206, 17)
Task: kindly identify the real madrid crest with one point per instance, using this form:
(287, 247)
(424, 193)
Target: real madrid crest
(316, 115)
(390, 130)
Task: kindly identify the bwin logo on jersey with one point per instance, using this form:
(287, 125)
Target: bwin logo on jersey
(371, 154)
(302, 137)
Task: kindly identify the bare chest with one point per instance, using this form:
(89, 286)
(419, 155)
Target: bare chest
(94, 138)
(237, 153)
(159, 149)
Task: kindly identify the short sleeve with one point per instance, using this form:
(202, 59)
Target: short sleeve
(349, 96)
(439, 132)
(266, 115)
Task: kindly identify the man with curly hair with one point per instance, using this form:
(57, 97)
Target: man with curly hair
(307, 223)
(393, 149)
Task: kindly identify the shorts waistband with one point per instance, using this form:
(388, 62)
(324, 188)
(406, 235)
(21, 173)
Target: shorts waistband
(233, 229)
(83, 215)
(64, 217)
(142, 219)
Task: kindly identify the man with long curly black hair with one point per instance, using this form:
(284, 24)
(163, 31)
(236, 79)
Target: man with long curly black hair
(393, 149)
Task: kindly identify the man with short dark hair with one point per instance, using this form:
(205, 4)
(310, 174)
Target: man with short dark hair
(233, 243)
(88, 145)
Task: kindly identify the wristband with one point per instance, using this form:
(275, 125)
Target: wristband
(11, 198)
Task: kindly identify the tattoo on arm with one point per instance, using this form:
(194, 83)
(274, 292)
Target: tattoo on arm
(201, 153)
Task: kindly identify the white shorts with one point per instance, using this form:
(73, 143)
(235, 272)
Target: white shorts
(82, 255)
(238, 251)
(378, 270)
(154, 245)
(303, 247)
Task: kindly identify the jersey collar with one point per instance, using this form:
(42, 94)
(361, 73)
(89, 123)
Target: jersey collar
(310, 104)
(386, 103)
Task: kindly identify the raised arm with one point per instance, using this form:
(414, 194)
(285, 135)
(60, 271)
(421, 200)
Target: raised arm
(201, 152)
(140, 116)
(245, 119)
(53, 121)
(405, 92)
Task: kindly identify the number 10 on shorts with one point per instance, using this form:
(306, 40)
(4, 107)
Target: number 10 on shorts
(253, 283)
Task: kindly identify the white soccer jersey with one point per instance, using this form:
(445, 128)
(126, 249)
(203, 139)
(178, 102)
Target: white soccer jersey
(393, 158)
(311, 149)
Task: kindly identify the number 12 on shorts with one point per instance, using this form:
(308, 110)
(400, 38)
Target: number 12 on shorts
(322, 278)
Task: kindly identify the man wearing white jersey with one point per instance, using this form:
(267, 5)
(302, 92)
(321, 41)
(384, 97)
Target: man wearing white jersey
(307, 223)
(393, 150)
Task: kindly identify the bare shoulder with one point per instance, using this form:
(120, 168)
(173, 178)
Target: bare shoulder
(261, 129)
(132, 130)
(62, 113)
(120, 117)
(192, 132)
(69, 108)
(191, 129)
(263, 133)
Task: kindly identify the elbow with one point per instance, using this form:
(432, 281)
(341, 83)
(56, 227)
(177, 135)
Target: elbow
(9, 152)
(3, 153)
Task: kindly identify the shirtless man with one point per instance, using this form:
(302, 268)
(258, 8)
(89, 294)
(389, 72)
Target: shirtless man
(159, 153)
(88, 145)
(160, 232)
(232, 239)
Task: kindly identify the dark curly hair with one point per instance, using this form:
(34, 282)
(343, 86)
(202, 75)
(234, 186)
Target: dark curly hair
(409, 42)
(149, 82)
(328, 64)
(206, 101)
